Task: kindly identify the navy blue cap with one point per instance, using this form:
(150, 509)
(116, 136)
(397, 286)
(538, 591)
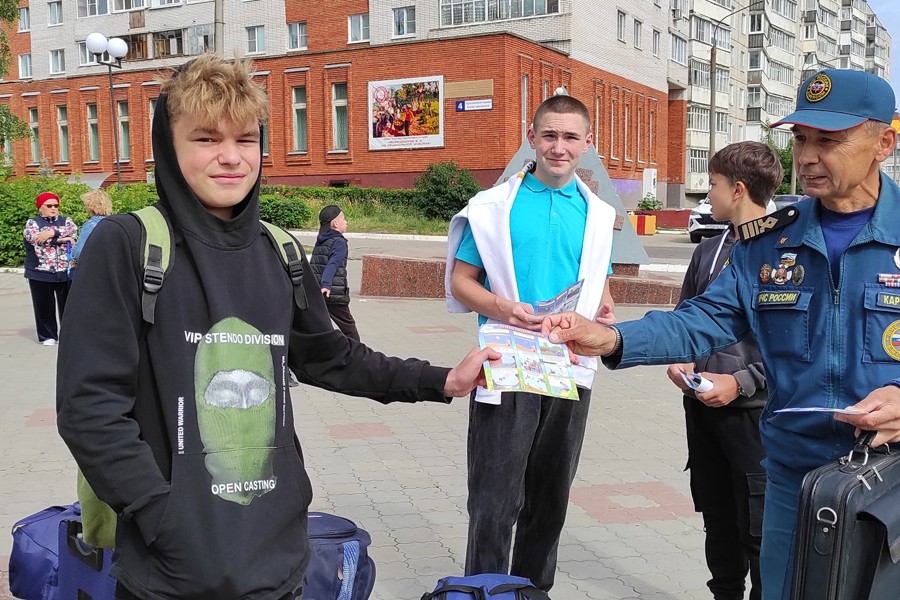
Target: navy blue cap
(835, 99)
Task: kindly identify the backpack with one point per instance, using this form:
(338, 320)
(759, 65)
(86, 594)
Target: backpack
(488, 586)
(157, 257)
(34, 561)
(340, 567)
(99, 520)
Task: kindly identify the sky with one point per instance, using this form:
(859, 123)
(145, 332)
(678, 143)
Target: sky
(888, 12)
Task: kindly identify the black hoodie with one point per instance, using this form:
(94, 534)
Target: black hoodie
(185, 427)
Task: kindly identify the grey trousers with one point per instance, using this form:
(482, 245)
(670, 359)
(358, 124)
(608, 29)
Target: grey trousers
(522, 457)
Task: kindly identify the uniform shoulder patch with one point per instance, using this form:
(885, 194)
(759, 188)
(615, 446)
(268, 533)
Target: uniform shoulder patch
(771, 222)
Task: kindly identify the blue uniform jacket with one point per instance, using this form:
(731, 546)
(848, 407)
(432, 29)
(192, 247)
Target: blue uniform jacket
(821, 345)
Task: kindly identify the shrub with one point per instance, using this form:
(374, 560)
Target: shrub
(132, 196)
(649, 202)
(444, 189)
(288, 213)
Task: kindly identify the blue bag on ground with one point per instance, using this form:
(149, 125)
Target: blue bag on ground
(339, 567)
(34, 560)
(83, 568)
(488, 586)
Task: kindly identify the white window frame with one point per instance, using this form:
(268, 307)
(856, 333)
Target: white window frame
(93, 130)
(92, 8)
(362, 24)
(34, 125)
(85, 57)
(256, 39)
(402, 19)
(337, 103)
(298, 108)
(57, 61)
(657, 38)
(128, 5)
(620, 26)
(62, 131)
(613, 109)
(637, 28)
(163, 3)
(297, 31)
(25, 68)
(678, 52)
(124, 125)
(24, 19)
(151, 110)
(56, 13)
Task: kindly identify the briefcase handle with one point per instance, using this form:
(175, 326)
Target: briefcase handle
(860, 453)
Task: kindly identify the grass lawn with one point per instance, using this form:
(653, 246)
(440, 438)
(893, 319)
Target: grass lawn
(371, 217)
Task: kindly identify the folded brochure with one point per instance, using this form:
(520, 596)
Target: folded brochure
(564, 301)
(529, 362)
(841, 411)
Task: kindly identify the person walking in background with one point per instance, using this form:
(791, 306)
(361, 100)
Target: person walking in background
(520, 242)
(329, 263)
(48, 245)
(725, 452)
(98, 204)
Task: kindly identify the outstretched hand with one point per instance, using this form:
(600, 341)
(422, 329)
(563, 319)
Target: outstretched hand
(521, 314)
(605, 315)
(882, 414)
(582, 336)
(469, 373)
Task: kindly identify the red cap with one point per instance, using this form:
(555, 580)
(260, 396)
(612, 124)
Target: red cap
(44, 197)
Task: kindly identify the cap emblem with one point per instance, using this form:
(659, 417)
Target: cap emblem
(818, 88)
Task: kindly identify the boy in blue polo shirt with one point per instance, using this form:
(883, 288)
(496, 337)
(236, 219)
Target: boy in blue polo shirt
(515, 244)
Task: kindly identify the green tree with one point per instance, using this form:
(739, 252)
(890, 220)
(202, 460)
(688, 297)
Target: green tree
(785, 155)
(11, 128)
(9, 16)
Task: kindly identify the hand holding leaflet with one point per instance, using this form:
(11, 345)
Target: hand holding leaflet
(802, 409)
(697, 382)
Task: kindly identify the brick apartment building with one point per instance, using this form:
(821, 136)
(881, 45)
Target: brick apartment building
(332, 70)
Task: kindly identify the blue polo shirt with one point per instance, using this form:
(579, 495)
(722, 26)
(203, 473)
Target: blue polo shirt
(547, 230)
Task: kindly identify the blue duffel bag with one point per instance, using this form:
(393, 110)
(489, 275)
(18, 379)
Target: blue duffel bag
(489, 586)
(340, 567)
(34, 562)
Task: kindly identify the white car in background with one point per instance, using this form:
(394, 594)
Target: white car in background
(701, 223)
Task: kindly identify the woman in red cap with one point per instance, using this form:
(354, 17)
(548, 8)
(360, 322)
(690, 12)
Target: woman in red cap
(48, 247)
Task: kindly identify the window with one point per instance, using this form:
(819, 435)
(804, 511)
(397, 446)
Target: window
(24, 19)
(57, 61)
(256, 39)
(7, 152)
(679, 49)
(404, 21)
(460, 12)
(152, 111)
(93, 133)
(639, 137)
(128, 4)
(620, 26)
(613, 109)
(92, 8)
(301, 143)
(168, 43)
(55, 16)
(809, 32)
(24, 66)
(704, 31)
(35, 135)
(698, 118)
(87, 58)
(124, 131)
(722, 124)
(545, 90)
(297, 36)
(656, 42)
(62, 132)
(787, 8)
(756, 23)
(137, 46)
(697, 161)
(598, 121)
(525, 117)
(359, 28)
(264, 138)
(165, 2)
(637, 34)
(626, 134)
(650, 126)
(339, 116)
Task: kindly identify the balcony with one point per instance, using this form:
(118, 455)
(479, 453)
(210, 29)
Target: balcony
(754, 114)
(755, 40)
(809, 16)
(754, 77)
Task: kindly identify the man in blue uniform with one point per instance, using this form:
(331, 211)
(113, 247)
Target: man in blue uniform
(818, 284)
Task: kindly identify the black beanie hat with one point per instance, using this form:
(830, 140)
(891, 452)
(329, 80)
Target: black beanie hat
(327, 215)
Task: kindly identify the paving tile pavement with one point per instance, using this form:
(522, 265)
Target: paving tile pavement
(399, 470)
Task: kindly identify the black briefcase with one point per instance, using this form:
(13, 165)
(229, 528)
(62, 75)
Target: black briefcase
(848, 528)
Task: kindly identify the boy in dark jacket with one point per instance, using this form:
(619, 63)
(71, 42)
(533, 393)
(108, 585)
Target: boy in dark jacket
(185, 427)
(724, 448)
(329, 263)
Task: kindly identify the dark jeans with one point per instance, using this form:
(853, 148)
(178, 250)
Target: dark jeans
(728, 486)
(522, 457)
(123, 594)
(46, 298)
(340, 314)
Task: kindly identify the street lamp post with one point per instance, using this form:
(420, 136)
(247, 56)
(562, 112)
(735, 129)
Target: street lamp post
(117, 48)
(712, 73)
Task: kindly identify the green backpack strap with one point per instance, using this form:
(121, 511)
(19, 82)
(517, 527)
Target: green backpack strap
(292, 255)
(157, 256)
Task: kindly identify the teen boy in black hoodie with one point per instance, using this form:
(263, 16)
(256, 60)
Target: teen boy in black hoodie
(185, 427)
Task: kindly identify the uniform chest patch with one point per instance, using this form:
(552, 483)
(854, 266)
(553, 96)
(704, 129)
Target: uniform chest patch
(891, 340)
(778, 298)
(888, 300)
